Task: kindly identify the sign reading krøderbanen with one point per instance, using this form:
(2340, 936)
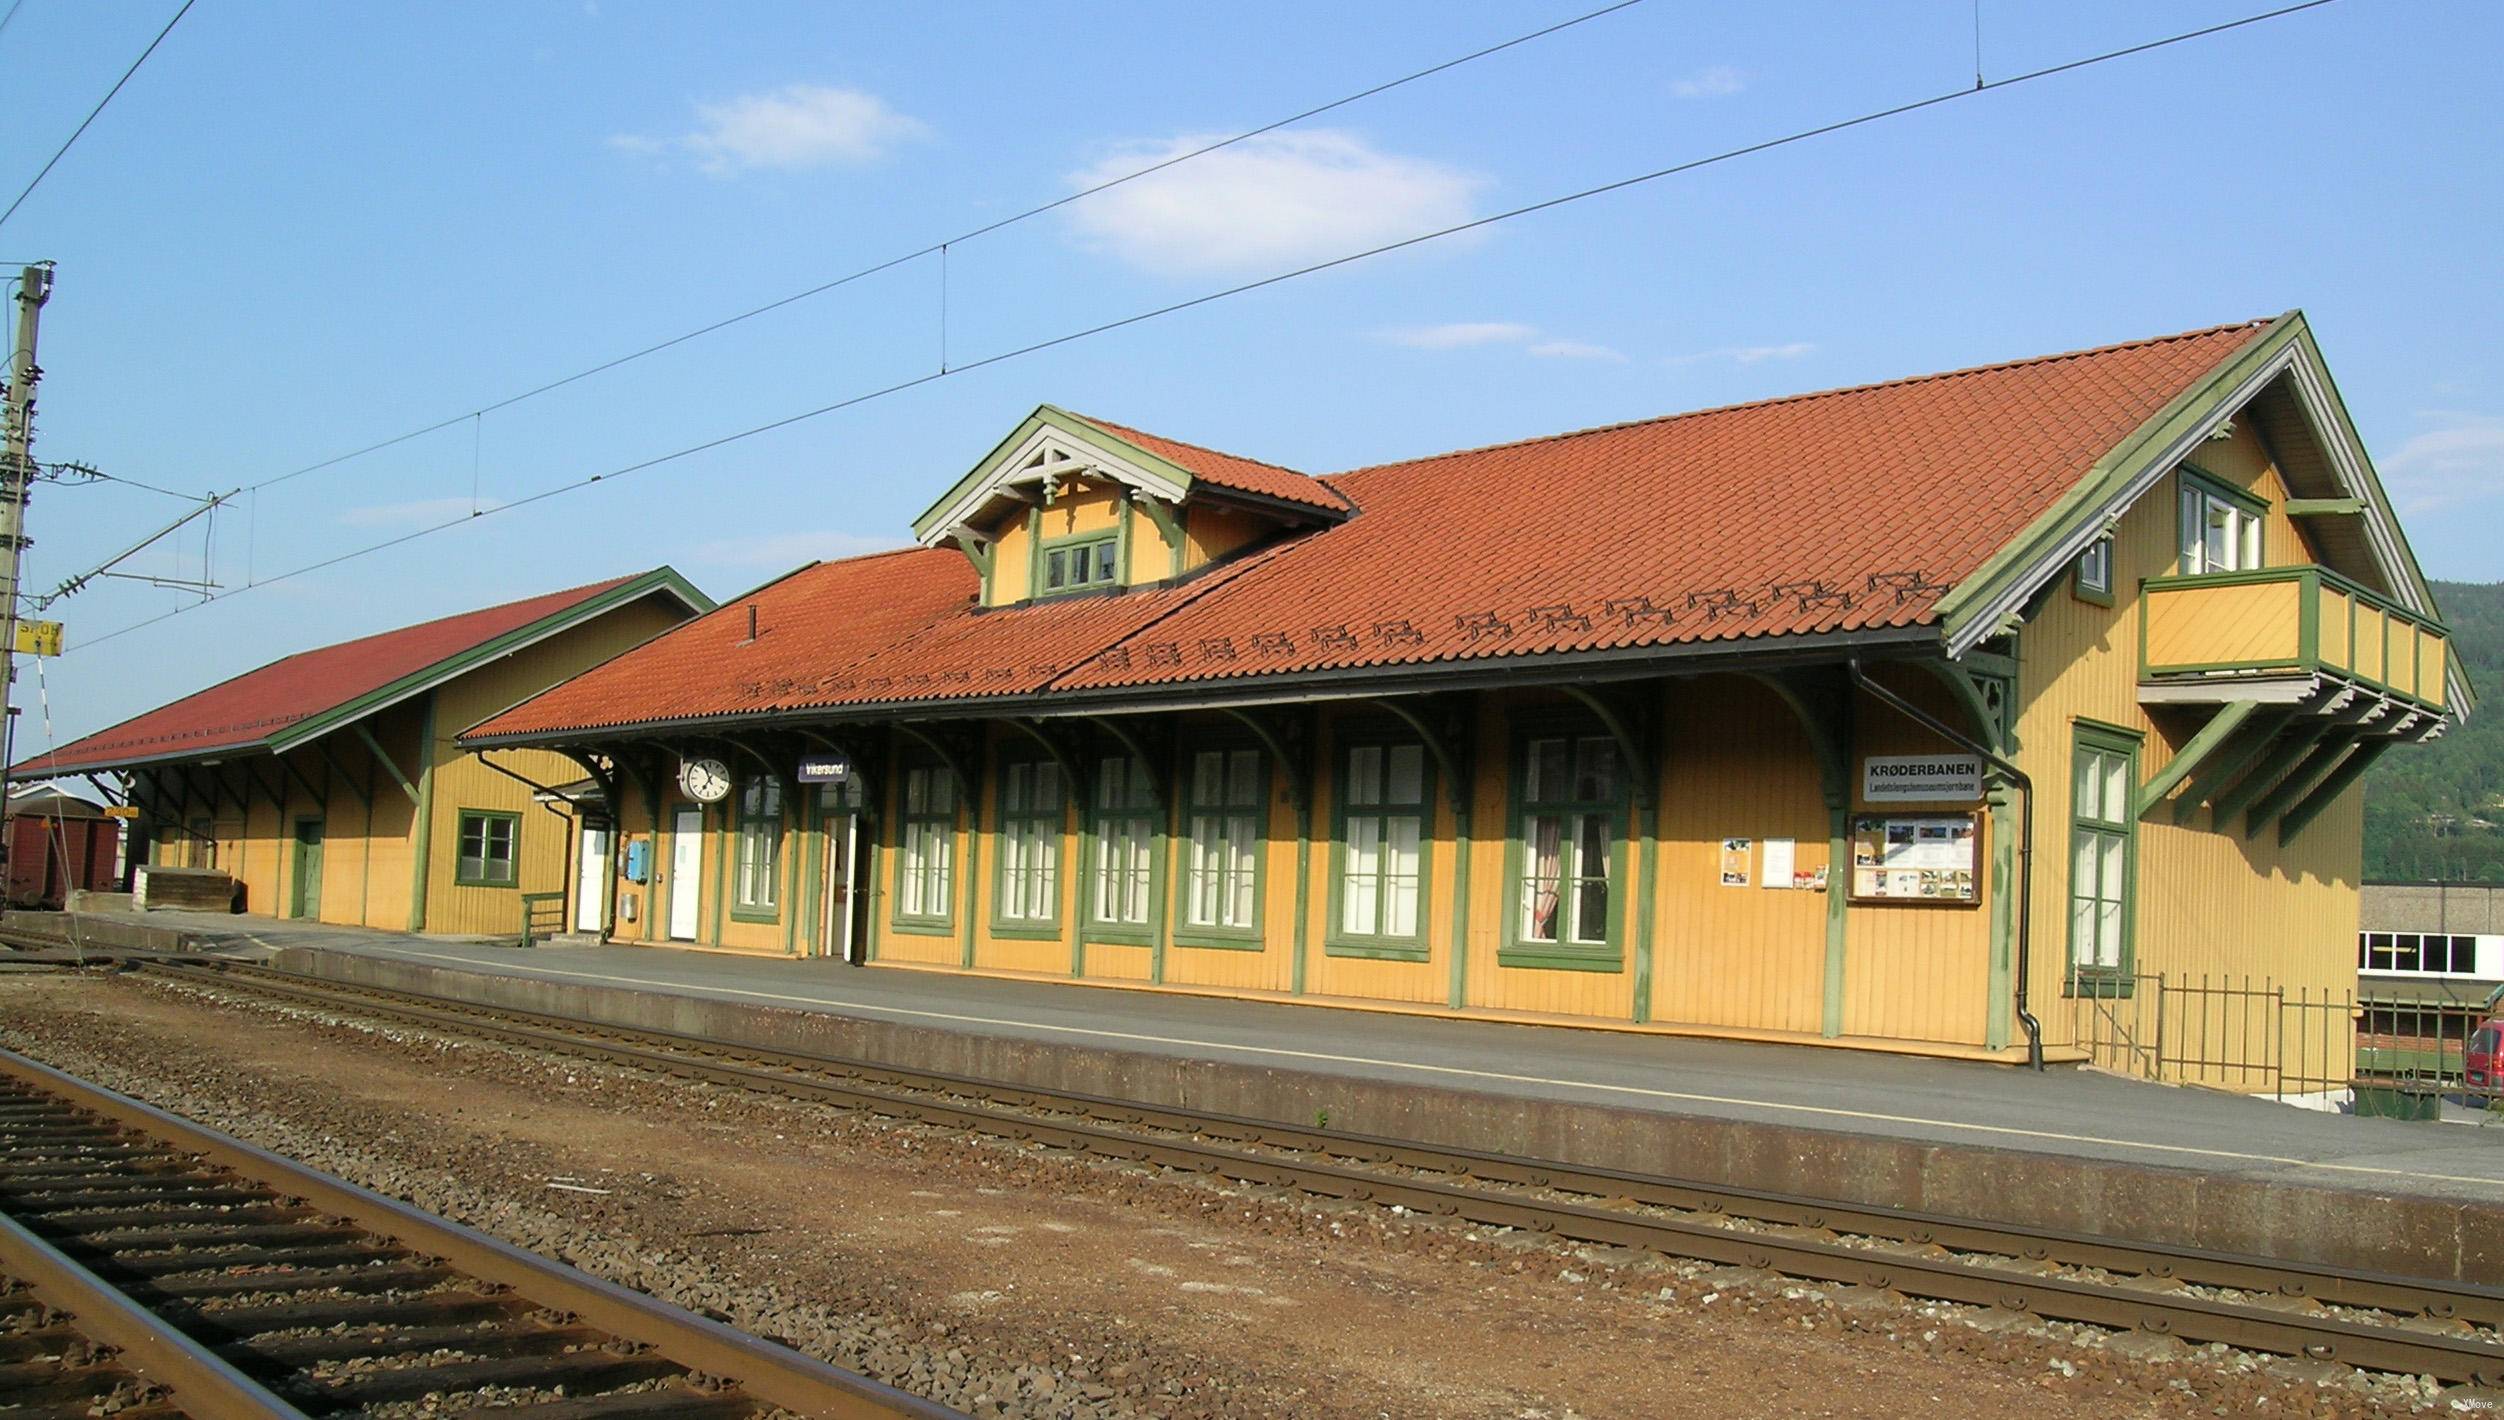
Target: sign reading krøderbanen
(1921, 779)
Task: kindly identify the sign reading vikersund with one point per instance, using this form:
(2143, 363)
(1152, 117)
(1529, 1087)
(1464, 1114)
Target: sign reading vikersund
(1921, 779)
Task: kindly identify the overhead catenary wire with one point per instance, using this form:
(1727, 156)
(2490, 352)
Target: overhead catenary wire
(78, 132)
(1207, 298)
(940, 248)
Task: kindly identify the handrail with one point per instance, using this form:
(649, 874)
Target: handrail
(2300, 572)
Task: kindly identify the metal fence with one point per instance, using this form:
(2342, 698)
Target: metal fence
(2254, 1036)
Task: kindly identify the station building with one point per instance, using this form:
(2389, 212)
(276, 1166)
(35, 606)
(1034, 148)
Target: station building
(327, 784)
(1921, 716)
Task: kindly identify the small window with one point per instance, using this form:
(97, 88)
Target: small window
(1081, 566)
(2093, 579)
(925, 863)
(1222, 873)
(760, 847)
(490, 845)
(1029, 889)
(1125, 846)
(2221, 527)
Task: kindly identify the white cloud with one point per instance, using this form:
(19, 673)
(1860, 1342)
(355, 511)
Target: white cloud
(1575, 350)
(1749, 354)
(1456, 335)
(2459, 459)
(788, 549)
(796, 126)
(1269, 202)
(423, 513)
(1718, 82)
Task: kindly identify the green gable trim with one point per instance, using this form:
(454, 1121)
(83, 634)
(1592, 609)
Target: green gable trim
(2110, 476)
(633, 589)
(2325, 507)
(1046, 416)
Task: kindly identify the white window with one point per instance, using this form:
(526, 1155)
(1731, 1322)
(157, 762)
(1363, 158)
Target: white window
(1221, 884)
(1382, 829)
(2099, 867)
(1125, 844)
(924, 876)
(760, 844)
(2095, 568)
(2220, 532)
(1030, 843)
(1570, 802)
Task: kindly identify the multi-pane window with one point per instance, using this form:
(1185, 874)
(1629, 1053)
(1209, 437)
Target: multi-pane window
(1382, 830)
(760, 845)
(2220, 532)
(488, 845)
(2102, 777)
(2093, 578)
(1570, 797)
(925, 863)
(1081, 566)
(1030, 843)
(1125, 844)
(1222, 874)
(2433, 952)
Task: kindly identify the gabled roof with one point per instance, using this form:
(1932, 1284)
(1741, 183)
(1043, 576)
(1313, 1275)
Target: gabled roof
(300, 697)
(1160, 468)
(1853, 514)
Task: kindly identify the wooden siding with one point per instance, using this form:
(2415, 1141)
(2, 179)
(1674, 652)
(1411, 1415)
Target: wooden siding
(2247, 624)
(2210, 901)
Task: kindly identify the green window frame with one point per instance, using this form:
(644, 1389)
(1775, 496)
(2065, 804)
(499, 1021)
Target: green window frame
(1083, 562)
(488, 849)
(757, 861)
(1124, 835)
(1225, 833)
(2091, 576)
(1026, 871)
(1566, 853)
(1381, 850)
(926, 848)
(2221, 528)
(2103, 861)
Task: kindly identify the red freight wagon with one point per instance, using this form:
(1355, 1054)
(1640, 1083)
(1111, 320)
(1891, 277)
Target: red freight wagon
(59, 843)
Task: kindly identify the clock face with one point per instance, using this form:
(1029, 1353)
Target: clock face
(705, 780)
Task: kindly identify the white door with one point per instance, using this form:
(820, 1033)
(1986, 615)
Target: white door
(591, 886)
(686, 872)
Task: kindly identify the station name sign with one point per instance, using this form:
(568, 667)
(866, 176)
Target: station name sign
(1921, 779)
(825, 768)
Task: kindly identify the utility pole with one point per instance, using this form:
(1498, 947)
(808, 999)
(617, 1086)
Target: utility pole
(17, 480)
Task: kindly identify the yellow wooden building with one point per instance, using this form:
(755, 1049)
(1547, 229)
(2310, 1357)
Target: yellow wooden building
(1961, 714)
(327, 785)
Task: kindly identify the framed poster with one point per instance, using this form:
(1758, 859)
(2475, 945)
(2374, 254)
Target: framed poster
(1921, 858)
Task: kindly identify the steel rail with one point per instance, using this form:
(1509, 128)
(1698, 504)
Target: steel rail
(2140, 1303)
(769, 1374)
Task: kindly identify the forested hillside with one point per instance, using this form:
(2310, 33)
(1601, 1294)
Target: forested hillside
(2437, 811)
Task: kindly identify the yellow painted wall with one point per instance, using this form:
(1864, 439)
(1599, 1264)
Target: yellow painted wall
(1082, 506)
(2209, 902)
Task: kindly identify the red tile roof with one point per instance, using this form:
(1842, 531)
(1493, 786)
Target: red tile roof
(250, 709)
(1243, 475)
(1846, 510)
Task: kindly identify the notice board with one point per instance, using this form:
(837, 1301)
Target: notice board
(1915, 858)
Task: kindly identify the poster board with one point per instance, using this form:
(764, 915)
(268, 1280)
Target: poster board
(1917, 858)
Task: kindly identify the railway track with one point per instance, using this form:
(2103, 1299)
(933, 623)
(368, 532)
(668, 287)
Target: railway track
(158, 1262)
(2454, 1332)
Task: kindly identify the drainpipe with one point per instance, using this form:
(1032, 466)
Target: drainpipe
(2025, 840)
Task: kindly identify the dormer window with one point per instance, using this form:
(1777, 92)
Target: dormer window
(1082, 564)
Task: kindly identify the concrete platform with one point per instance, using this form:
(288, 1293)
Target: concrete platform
(2068, 1148)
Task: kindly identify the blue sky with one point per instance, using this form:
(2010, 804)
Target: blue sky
(304, 227)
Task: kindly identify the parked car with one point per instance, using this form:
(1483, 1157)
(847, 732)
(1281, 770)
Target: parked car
(2486, 1056)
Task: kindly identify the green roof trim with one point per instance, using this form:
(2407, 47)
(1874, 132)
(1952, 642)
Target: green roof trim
(1046, 416)
(659, 579)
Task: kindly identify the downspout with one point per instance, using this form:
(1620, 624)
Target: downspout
(2025, 840)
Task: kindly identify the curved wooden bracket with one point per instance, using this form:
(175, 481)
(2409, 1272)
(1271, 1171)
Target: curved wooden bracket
(1613, 719)
(1129, 740)
(1455, 774)
(1299, 773)
(1970, 699)
(1821, 724)
(946, 754)
(1078, 786)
